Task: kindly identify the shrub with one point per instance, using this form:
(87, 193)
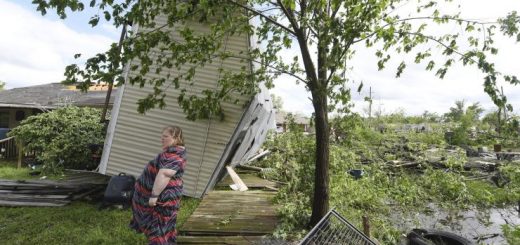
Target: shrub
(510, 174)
(62, 137)
(292, 160)
(386, 193)
(511, 233)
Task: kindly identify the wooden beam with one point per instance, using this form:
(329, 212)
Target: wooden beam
(20, 154)
(366, 225)
(238, 182)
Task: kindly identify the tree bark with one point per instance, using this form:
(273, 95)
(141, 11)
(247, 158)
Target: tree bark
(320, 205)
(318, 87)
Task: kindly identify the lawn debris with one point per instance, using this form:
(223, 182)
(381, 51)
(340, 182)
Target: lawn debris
(356, 173)
(51, 193)
(485, 237)
(476, 163)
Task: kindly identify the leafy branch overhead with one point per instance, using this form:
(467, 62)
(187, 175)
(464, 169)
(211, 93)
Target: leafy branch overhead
(276, 25)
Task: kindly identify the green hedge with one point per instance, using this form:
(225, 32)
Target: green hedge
(62, 137)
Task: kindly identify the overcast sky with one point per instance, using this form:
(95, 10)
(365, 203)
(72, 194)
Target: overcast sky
(35, 49)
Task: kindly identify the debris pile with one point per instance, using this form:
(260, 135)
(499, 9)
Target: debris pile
(48, 193)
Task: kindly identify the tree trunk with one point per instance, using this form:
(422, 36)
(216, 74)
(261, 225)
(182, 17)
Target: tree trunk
(318, 88)
(320, 205)
(320, 200)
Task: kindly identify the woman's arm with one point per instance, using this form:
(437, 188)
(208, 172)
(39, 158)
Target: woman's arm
(161, 181)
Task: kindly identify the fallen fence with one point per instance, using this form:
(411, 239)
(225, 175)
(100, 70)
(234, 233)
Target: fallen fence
(334, 229)
(8, 148)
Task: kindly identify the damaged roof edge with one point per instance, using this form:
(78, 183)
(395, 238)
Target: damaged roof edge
(231, 149)
(29, 106)
(227, 155)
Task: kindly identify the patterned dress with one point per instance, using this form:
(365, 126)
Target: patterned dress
(158, 223)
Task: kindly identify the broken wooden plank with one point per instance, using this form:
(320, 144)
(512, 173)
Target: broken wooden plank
(217, 193)
(30, 196)
(406, 164)
(19, 184)
(251, 180)
(214, 230)
(37, 191)
(257, 156)
(239, 240)
(18, 203)
(22, 184)
(86, 193)
(252, 168)
(240, 185)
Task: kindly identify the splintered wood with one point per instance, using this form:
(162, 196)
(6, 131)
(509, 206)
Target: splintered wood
(238, 183)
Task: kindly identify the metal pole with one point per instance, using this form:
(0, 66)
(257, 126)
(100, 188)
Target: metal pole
(111, 83)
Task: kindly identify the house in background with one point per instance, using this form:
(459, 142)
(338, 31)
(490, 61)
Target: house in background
(283, 121)
(19, 103)
(133, 139)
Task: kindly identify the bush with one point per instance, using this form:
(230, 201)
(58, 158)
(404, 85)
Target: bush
(385, 193)
(292, 159)
(511, 233)
(510, 174)
(62, 137)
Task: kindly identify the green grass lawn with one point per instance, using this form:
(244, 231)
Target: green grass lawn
(8, 170)
(78, 223)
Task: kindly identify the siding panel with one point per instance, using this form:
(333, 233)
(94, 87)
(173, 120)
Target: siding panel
(136, 137)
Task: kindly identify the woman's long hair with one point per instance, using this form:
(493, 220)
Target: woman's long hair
(176, 133)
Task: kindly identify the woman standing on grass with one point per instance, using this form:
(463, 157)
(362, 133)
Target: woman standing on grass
(158, 190)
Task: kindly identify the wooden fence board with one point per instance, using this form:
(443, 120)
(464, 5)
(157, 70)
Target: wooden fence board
(30, 196)
(251, 180)
(17, 203)
(232, 213)
(238, 240)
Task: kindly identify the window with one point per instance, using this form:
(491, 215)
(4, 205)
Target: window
(4, 119)
(20, 115)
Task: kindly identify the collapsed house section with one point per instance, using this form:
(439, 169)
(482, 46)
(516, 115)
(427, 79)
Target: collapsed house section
(133, 139)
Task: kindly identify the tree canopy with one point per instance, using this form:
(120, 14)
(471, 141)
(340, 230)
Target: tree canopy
(460, 110)
(324, 34)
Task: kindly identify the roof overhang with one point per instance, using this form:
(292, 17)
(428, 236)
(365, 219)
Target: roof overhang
(26, 106)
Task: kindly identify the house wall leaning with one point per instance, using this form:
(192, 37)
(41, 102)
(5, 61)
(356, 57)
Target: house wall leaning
(135, 138)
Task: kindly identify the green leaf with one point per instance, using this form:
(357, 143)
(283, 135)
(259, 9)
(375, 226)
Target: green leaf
(430, 65)
(360, 87)
(400, 69)
(107, 15)
(94, 20)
